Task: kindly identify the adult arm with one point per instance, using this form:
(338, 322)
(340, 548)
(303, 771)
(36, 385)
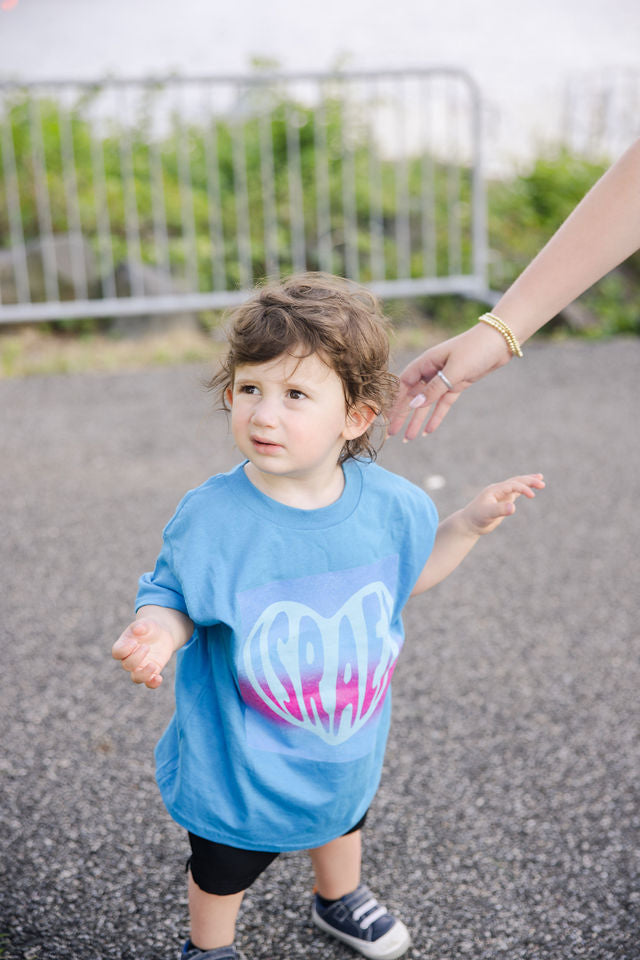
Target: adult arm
(602, 231)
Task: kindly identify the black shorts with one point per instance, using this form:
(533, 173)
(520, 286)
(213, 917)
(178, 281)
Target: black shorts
(224, 870)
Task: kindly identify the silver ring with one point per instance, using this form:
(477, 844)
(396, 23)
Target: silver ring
(445, 380)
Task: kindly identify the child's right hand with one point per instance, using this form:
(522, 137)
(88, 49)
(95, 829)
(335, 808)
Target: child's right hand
(144, 649)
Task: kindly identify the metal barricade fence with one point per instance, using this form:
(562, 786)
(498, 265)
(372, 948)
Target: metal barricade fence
(160, 196)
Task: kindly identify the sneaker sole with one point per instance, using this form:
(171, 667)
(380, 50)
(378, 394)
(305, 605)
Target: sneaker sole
(394, 943)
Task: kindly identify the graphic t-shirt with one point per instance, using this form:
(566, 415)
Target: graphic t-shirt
(282, 693)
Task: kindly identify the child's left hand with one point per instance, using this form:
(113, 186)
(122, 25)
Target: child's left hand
(496, 502)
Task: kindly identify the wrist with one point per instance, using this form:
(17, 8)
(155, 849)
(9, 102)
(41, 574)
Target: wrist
(172, 622)
(491, 344)
(521, 310)
(505, 332)
(464, 526)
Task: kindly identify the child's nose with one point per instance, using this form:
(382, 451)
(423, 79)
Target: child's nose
(264, 413)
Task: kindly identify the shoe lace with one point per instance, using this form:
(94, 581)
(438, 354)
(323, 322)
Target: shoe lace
(368, 912)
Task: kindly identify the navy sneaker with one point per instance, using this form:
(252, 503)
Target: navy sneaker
(189, 952)
(359, 921)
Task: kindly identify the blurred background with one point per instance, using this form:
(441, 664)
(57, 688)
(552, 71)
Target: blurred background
(158, 161)
(527, 58)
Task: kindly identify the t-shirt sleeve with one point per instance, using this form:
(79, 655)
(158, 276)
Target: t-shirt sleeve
(162, 587)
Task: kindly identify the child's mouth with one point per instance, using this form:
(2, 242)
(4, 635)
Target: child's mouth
(265, 446)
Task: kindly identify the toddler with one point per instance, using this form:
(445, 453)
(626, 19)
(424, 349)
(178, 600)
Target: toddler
(281, 585)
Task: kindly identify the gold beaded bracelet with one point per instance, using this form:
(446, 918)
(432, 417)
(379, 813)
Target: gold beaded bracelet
(506, 332)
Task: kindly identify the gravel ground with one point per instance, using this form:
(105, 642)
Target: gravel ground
(507, 822)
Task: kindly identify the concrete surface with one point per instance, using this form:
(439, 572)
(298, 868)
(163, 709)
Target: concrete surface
(507, 822)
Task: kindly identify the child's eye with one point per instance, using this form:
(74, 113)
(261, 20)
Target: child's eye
(247, 388)
(295, 394)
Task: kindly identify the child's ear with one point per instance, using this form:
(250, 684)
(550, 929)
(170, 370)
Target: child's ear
(359, 419)
(228, 395)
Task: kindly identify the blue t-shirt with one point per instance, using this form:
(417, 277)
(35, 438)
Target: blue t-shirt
(282, 693)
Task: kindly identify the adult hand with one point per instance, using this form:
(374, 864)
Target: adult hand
(462, 360)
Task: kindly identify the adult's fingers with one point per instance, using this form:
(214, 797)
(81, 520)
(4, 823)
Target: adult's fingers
(417, 419)
(440, 410)
(413, 383)
(434, 403)
(403, 406)
(415, 403)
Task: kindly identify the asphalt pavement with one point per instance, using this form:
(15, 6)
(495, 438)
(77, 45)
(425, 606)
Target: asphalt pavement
(506, 826)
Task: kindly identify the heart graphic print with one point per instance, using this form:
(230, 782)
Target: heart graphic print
(319, 659)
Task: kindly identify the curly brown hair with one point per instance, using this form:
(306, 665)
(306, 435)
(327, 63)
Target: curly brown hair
(317, 313)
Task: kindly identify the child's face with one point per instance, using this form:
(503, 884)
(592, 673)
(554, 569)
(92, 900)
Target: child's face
(289, 417)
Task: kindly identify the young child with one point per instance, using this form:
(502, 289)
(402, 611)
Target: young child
(281, 584)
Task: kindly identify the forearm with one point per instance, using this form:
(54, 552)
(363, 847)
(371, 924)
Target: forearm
(602, 231)
(454, 540)
(176, 623)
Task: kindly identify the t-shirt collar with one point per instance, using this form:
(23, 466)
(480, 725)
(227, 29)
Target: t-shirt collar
(286, 516)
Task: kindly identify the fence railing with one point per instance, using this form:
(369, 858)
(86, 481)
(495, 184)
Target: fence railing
(159, 196)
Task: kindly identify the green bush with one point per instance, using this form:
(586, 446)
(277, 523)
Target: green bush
(524, 210)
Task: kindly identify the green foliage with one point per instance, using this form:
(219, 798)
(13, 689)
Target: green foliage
(524, 213)
(117, 172)
(525, 210)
